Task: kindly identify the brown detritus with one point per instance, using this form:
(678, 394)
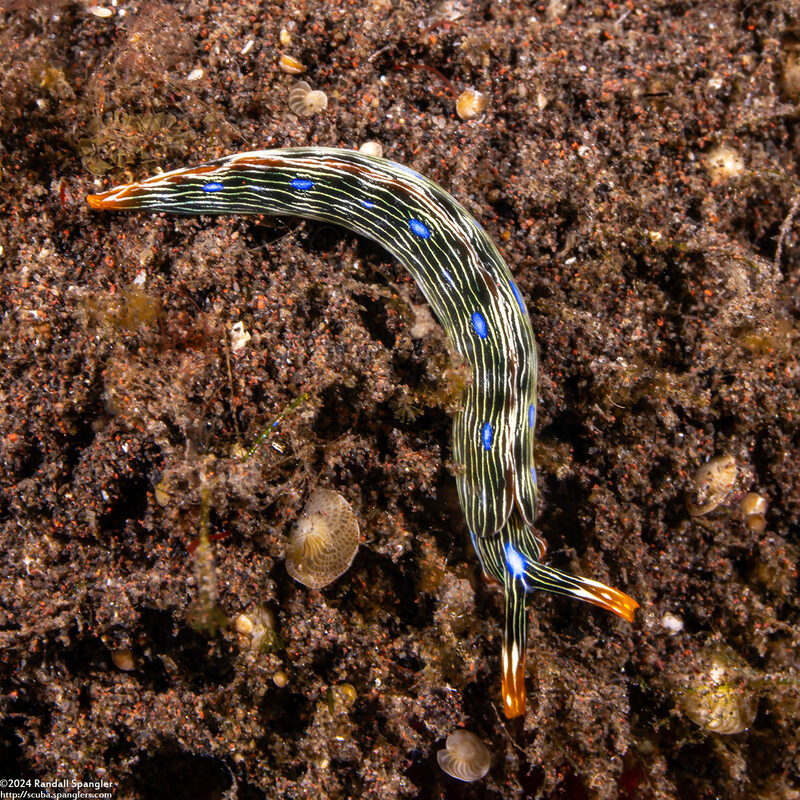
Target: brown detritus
(117, 141)
(776, 565)
(123, 312)
(155, 40)
(789, 75)
(449, 375)
(42, 7)
(52, 80)
(205, 615)
(433, 71)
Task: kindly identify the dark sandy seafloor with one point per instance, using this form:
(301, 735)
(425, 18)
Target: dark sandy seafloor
(637, 166)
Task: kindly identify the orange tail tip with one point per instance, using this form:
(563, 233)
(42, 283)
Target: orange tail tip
(95, 201)
(513, 682)
(604, 596)
(111, 200)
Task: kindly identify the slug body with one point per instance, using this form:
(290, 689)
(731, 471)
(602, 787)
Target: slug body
(471, 291)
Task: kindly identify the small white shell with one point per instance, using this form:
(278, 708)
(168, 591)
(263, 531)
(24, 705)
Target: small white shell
(304, 101)
(243, 624)
(371, 149)
(754, 508)
(712, 483)
(323, 541)
(239, 336)
(724, 162)
(465, 756)
(290, 65)
(470, 104)
(672, 623)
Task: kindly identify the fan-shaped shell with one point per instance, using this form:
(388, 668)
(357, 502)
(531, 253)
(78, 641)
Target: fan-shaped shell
(305, 101)
(465, 756)
(323, 541)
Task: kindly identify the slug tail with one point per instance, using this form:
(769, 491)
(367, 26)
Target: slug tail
(512, 557)
(515, 639)
(540, 576)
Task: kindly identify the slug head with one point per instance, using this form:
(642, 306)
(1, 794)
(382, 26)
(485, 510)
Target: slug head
(183, 191)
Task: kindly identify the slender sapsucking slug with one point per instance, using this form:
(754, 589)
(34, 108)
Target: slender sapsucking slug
(472, 293)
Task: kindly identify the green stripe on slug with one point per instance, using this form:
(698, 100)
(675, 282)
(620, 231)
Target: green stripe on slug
(472, 293)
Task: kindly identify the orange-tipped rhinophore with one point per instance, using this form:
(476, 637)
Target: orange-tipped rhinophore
(513, 682)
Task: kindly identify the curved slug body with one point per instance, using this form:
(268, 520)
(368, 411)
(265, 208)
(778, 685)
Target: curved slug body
(472, 293)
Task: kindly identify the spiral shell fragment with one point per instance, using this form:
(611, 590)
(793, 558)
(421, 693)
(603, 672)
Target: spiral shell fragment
(305, 101)
(465, 756)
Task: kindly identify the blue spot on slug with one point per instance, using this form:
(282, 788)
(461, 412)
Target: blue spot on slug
(367, 204)
(301, 183)
(520, 301)
(515, 561)
(532, 415)
(419, 228)
(487, 435)
(533, 475)
(479, 325)
(214, 186)
(448, 277)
